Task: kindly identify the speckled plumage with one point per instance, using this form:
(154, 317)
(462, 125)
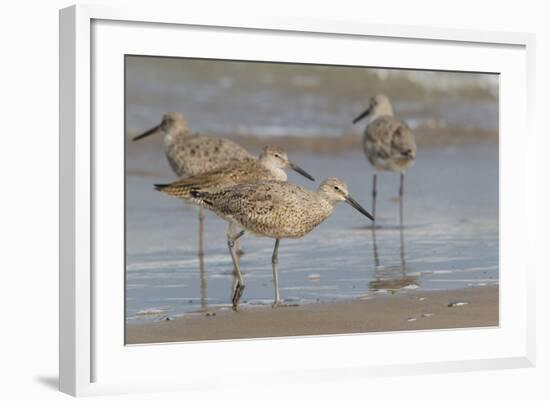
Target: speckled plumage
(270, 208)
(275, 209)
(269, 166)
(189, 154)
(388, 142)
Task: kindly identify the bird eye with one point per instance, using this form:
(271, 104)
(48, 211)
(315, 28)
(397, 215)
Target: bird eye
(336, 188)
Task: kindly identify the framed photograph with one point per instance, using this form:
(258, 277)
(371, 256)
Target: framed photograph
(354, 197)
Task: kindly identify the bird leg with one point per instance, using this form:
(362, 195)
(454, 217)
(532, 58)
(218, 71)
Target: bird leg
(274, 261)
(374, 199)
(201, 231)
(401, 190)
(232, 231)
(239, 288)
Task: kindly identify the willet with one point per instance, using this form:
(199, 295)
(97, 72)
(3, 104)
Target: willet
(269, 166)
(388, 144)
(274, 209)
(190, 154)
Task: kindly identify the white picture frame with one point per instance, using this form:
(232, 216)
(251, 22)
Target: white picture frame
(93, 360)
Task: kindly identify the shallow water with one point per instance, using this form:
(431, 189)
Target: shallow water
(266, 99)
(449, 240)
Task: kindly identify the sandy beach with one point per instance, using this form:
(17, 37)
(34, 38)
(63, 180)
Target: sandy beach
(415, 310)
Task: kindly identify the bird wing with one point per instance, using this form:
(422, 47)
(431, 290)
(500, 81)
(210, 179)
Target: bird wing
(256, 198)
(387, 138)
(270, 208)
(196, 154)
(236, 172)
(403, 143)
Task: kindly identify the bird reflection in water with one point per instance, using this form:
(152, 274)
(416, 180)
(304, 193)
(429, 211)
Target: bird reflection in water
(202, 278)
(391, 277)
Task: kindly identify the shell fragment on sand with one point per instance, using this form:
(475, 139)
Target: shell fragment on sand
(458, 303)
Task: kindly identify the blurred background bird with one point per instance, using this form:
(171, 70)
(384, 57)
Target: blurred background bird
(191, 153)
(388, 143)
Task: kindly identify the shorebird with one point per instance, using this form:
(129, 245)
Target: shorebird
(274, 209)
(269, 166)
(388, 143)
(190, 154)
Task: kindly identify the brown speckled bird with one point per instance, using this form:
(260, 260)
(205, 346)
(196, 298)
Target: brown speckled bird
(388, 143)
(269, 166)
(190, 154)
(274, 209)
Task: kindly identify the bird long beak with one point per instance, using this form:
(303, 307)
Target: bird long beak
(299, 170)
(362, 115)
(357, 206)
(152, 131)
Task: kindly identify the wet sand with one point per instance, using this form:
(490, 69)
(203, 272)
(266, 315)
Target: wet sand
(426, 138)
(415, 310)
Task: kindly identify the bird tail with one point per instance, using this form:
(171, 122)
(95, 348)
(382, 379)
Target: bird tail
(182, 188)
(174, 189)
(191, 193)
